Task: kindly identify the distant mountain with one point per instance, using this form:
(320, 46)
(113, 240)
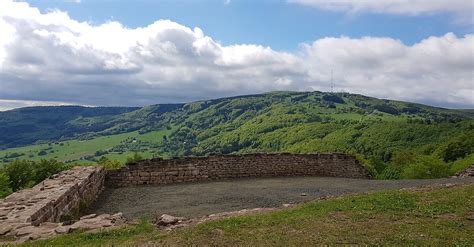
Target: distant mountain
(25, 126)
(270, 122)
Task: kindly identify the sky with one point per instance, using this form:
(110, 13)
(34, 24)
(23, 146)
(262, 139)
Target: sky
(135, 53)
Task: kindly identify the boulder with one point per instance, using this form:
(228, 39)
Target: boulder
(165, 220)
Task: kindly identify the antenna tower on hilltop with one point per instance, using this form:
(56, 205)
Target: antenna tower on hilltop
(332, 83)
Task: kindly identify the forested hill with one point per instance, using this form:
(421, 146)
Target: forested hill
(271, 122)
(28, 125)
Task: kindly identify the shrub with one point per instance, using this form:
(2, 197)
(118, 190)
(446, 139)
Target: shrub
(402, 159)
(426, 167)
(13, 155)
(457, 148)
(46, 168)
(136, 157)
(109, 164)
(20, 174)
(5, 189)
(42, 152)
(377, 164)
(365, 163)
(391, 172)
(461, 164)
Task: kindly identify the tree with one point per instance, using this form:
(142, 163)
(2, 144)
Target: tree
(46, 168)
(20, 174)
(5, 189)
(377, 163)
(457, 148)
(426, 167)
(403, 159)
(136, 157)
(391, 172)
(109, 164)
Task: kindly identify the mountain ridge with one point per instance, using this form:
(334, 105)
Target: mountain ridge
(278, 121)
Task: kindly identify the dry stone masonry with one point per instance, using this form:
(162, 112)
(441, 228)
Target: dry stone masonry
(35, 213)
(160, 171)
(468, 172)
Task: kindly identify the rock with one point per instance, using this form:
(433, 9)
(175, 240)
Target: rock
(303, 194)
(4, 229)
(468, 172)
(165, 220)
(63, 230)
(89, 216)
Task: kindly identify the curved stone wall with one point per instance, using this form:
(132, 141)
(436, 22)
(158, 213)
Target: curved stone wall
(22, 212)
(160, 171)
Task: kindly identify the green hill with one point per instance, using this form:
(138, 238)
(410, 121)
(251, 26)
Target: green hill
(273, 122)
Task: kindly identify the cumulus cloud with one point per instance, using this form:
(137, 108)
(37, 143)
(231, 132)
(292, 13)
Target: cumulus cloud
(51, 57)
(462, 9)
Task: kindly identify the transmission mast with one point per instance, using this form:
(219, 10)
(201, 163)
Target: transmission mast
(332, 82)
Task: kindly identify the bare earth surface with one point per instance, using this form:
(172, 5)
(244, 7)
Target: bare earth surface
(199, 199)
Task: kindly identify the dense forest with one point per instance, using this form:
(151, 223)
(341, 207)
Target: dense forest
(393, 139)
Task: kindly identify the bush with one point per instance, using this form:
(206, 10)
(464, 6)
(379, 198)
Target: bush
(426, 167)
(391, 172)
(365, 163)
(5, 189)
(457, 148)
(46, 168)
(377, 164)
(401, 159)
(13, 155)
(109, 164)
(20, 174)
(136, 157)
(42, 152)
(461, 164)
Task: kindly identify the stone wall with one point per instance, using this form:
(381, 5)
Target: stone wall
(159, 171)
(61, 194)
(468, 172)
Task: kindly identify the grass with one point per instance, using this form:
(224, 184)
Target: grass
(438, 217)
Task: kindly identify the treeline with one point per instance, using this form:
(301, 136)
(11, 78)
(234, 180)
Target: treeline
(442, 160)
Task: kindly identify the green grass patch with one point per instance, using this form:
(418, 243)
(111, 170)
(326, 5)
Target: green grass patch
(75, 149)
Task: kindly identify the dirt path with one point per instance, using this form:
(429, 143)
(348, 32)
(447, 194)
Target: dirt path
(199, 199)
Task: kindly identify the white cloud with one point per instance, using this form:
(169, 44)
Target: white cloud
(462, 9)
(51, 57)
(6, 105)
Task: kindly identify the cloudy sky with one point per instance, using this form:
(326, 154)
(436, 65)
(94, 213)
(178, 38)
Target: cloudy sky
(137, 53)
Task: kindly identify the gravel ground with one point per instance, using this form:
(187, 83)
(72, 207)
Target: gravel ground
(199, 199)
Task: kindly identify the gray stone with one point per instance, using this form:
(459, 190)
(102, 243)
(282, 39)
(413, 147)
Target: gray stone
(165, 220)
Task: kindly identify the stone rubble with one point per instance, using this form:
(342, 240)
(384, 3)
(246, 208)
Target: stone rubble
(468, 172)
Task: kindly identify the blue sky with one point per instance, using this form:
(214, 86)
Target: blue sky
(278, 24)
(136, 53)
